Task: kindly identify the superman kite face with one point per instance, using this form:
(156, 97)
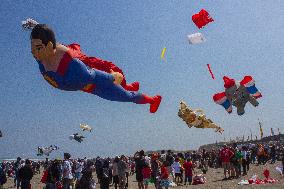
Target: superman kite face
(39, 50)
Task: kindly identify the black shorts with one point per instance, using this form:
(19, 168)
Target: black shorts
(115, 179)
(139, 177)
(178, 174)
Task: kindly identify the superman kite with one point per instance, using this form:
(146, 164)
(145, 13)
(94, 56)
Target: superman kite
(67, 68)
(202, 18)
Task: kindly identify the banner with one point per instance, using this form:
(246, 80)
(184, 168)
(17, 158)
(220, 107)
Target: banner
(260, 130)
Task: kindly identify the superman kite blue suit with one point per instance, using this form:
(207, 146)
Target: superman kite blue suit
(76, 72)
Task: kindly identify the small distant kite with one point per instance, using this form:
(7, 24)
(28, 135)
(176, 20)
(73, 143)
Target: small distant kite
(46, 150)
(163, 53)
(209, 69)
(196, 118)
(77, 137)
(202, 18)
(238, 94)
(85, 127)
(196, 38)
(29, 24)
(1, 135)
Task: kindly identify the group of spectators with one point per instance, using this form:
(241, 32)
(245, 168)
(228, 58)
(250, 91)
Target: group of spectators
(163, 169)
(236, 159)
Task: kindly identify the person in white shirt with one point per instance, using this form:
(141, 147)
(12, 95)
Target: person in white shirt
(176, 166)
(78, 169)
(67, 172)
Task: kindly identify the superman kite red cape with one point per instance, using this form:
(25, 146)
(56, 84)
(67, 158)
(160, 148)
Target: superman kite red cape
(100, 64)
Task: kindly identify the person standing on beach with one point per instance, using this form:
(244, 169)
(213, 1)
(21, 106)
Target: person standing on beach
(17, 167)
(105, 179)
(226, 154)
(3, 178)
(115, 172)
(140, 163)
(121, 168)
(188, 171)
(177, 170)
(67, 172)
(26, 175)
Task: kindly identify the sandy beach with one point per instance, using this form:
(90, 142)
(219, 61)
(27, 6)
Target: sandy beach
(214, 180)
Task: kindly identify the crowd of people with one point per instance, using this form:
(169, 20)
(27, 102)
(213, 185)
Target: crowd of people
(164, 169)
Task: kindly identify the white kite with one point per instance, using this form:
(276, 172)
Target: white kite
(196, 38)
(46, 150)
(85, 127)
(29, 24)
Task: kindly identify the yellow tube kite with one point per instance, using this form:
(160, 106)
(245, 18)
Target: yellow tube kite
(163, 53)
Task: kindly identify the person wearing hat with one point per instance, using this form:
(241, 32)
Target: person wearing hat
(67, 172)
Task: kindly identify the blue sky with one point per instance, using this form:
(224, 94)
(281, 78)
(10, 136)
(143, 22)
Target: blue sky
(245, 39)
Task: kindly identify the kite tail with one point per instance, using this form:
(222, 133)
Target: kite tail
(249, 83)
(221, 98)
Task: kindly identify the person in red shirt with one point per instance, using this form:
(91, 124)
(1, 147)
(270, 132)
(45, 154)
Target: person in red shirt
(226, 154)
(165, 182)
(188, 171)
(146, 172)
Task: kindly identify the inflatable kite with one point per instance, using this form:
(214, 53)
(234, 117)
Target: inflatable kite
(238, 94)
(46, 150)
(77, 137)
(85, 127)
(163, 53)
(29, 24)
(196, 38)
(196, 118)
(202, 18)
(77, 72)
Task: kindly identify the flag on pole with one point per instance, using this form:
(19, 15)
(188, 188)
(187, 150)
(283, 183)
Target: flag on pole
(248, 138)
(272, 132)
(260, 129)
